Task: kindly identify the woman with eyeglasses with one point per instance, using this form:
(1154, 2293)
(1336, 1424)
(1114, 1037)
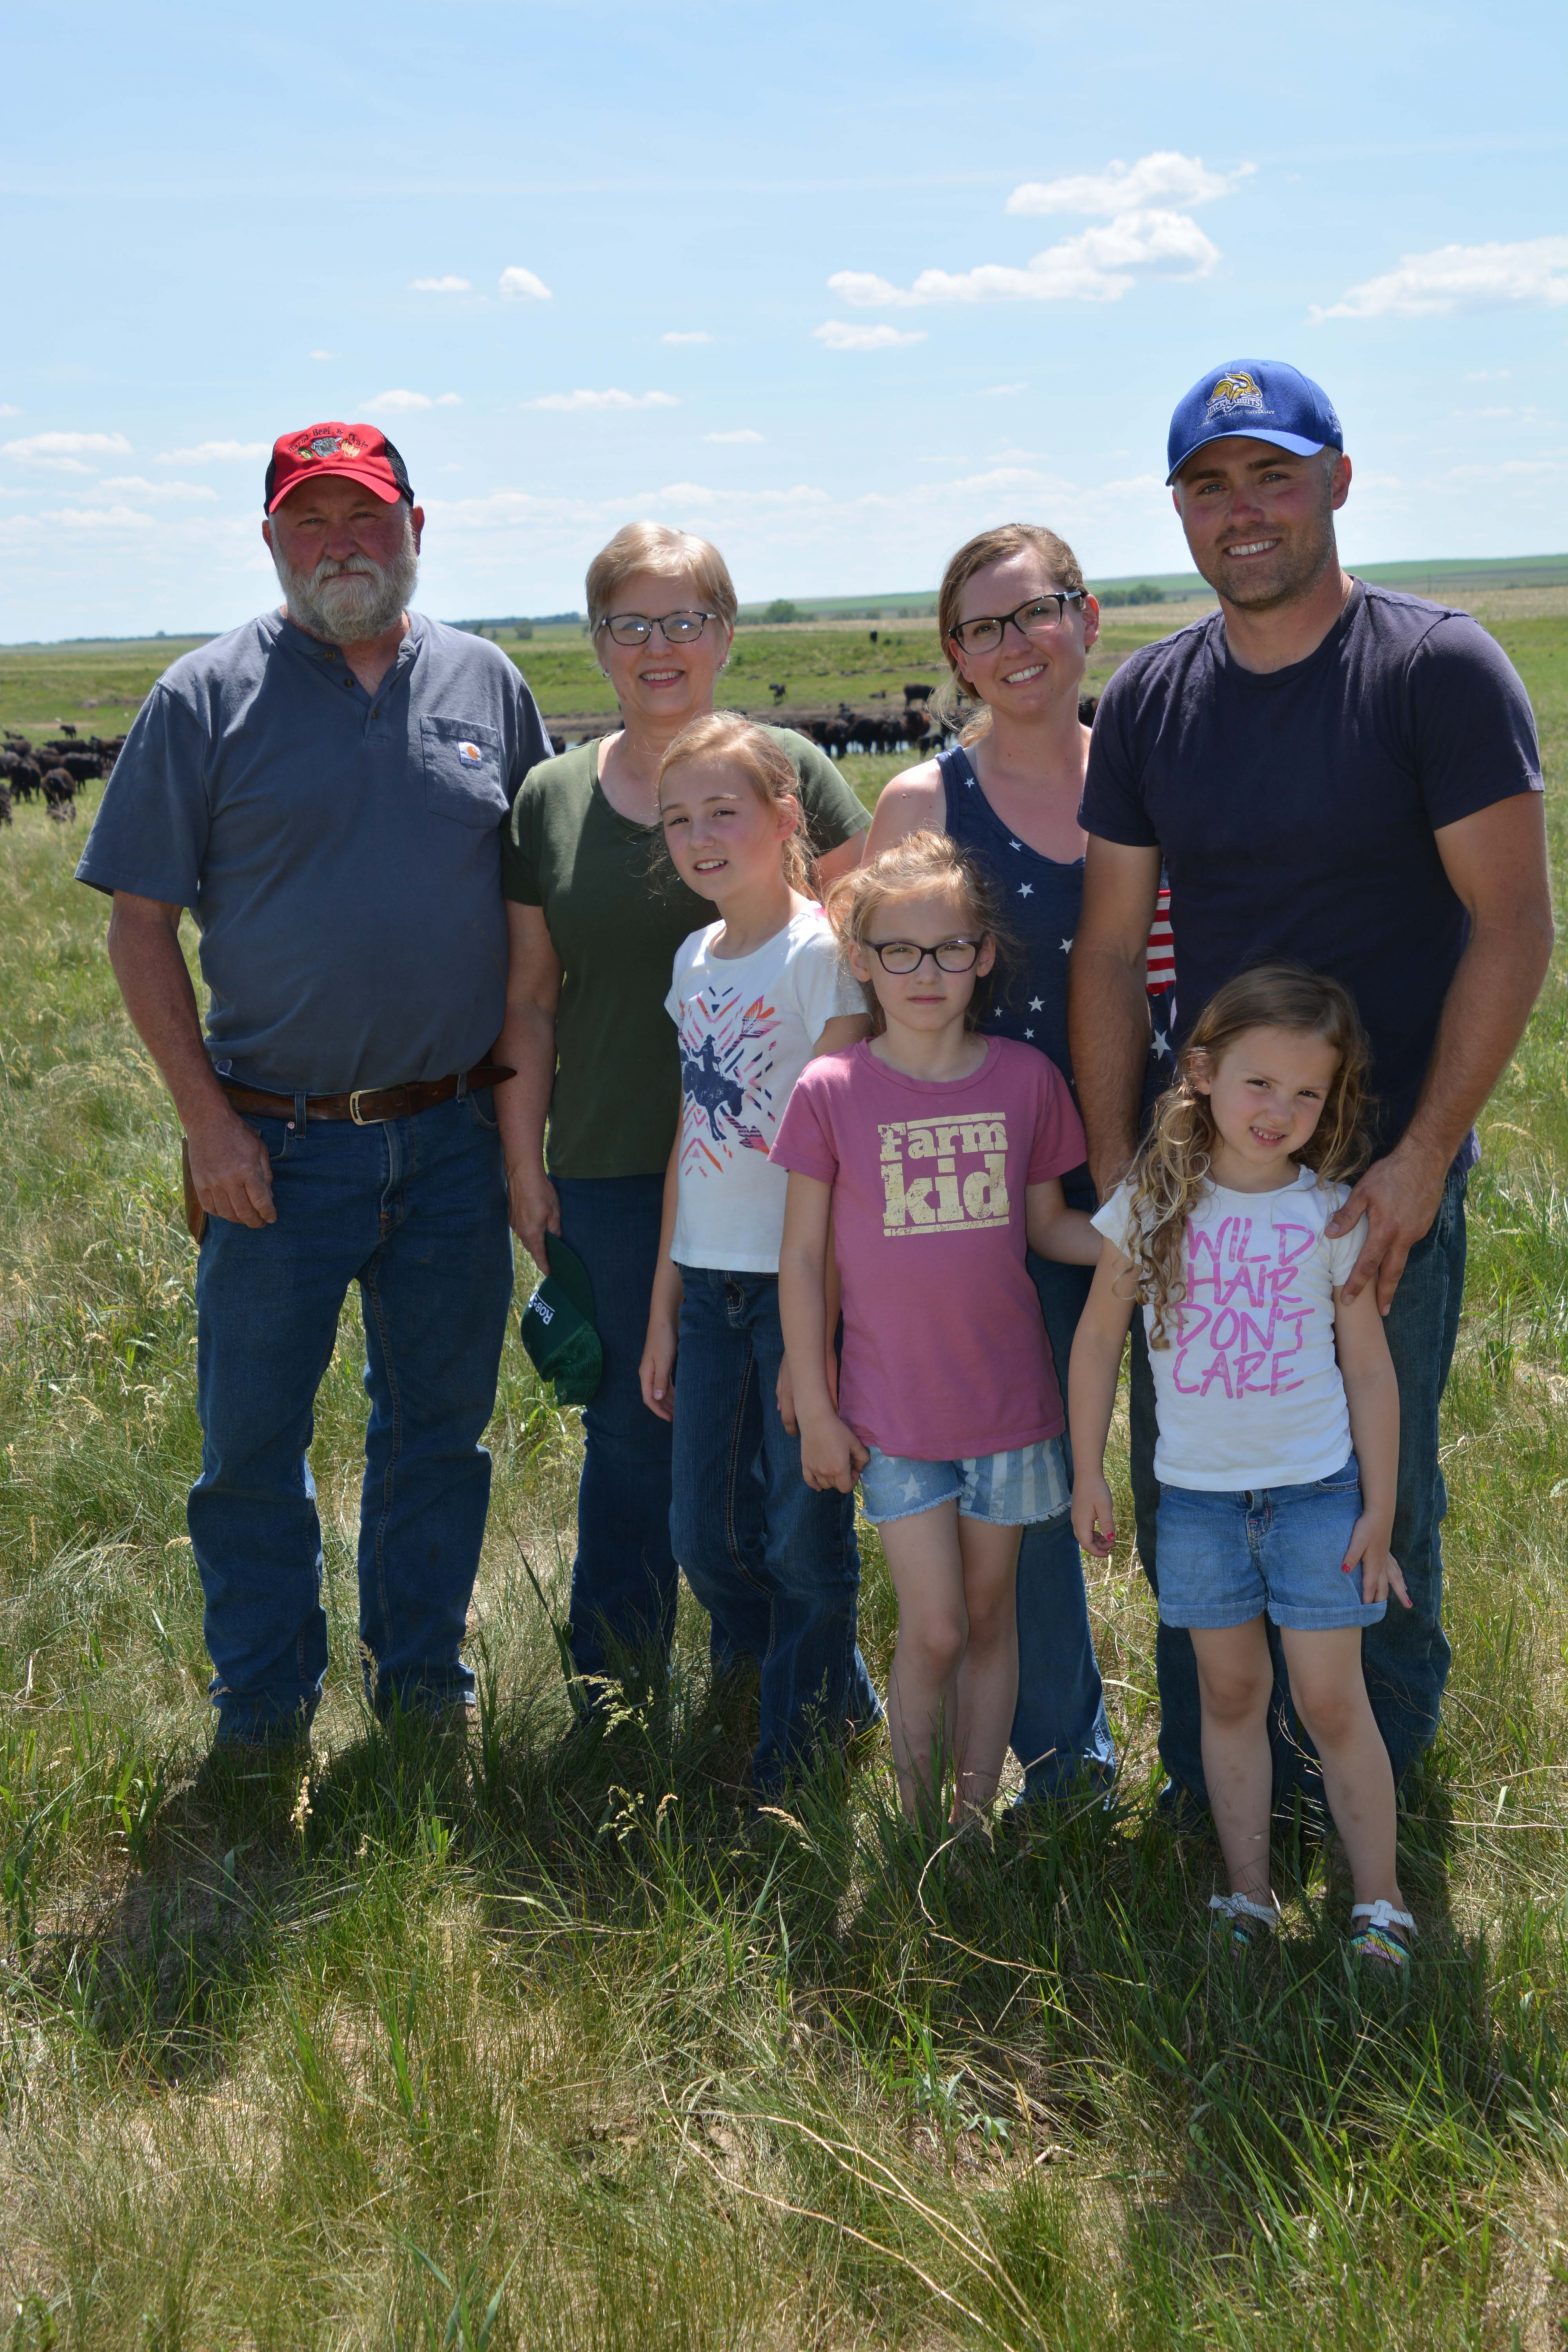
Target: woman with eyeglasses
(1016, 624)
(595, 920)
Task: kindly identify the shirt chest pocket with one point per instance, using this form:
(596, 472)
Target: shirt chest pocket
(465, 771)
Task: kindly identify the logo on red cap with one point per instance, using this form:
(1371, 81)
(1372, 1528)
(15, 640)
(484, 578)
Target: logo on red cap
(328, 445)
(359, 451)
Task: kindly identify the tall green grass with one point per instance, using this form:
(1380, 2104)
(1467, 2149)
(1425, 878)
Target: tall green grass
(558, 2051)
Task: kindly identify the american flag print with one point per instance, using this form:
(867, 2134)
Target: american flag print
(1160, 956)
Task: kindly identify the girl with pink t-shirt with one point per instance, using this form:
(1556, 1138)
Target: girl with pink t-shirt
(932, 1156)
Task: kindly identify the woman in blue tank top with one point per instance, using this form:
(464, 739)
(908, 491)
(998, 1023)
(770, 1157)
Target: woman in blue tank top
(1017, 623)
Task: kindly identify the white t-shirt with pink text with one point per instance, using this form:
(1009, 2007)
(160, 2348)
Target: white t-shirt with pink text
(1248, 1392)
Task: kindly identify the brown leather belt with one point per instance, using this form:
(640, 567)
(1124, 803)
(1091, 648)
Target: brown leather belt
(367, 1104)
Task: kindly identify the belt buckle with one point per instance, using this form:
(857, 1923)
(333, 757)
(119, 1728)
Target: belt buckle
(354, 1101)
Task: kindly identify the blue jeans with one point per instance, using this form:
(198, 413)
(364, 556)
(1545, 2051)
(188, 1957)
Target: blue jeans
(414, 1211)
(773, 1562)
(624, 1577)
(1405, 1656)
(1060, 1729)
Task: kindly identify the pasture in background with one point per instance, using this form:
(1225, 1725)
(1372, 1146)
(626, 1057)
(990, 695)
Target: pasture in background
(558, 2057)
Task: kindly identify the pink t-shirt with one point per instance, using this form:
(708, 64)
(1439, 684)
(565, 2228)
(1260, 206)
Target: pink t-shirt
(945, 1353)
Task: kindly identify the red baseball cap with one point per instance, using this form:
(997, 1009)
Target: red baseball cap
(357, 451)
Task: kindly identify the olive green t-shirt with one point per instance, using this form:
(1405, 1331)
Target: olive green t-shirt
(617, 911)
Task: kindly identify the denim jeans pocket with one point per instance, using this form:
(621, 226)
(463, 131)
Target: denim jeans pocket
(280, 1139)
(482, 1104)
(1345, 1480)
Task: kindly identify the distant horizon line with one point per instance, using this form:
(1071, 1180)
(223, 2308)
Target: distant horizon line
(920, 603)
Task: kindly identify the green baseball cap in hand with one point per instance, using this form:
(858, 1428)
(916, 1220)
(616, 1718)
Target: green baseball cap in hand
(558, 1330)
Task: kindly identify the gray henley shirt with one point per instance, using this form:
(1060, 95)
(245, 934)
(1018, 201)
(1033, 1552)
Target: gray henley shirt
(340, 851)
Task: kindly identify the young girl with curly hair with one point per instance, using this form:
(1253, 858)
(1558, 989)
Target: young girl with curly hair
(1278, 1418)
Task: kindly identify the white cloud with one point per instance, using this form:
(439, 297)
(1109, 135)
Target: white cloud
(1095, 266)
(98, 518)
(1487, 375)
(138, 486)
(686, 335)
(6, 409)
(405, 400)
(1164, 177)
(840, 335)
(63, 452)
(521, 285)
(602, 400)
(447, 285)
(1003, 391)
(743, 434)
(215, 452)
(1460, 277)
(323, 355)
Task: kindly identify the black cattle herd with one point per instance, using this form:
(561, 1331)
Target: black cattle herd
(54, 770)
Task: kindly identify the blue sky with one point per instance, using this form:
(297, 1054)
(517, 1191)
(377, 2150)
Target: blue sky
(835, 285)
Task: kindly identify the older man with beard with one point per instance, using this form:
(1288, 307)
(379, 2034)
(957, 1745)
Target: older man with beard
(325, 789)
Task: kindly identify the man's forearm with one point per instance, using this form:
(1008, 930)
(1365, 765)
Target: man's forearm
(1494, 986)
(1108, 1038)
(156, 986)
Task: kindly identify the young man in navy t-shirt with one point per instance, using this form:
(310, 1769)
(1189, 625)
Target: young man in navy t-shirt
(1338, 774)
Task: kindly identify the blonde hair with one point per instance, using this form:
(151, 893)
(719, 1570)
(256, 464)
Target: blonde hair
(953, 702)
(1173, 1162)
(921, 861)
(654, 547)
(726, 735)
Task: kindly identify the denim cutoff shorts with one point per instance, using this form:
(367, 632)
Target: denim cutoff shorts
(1227, 1558)
(1017, 1489)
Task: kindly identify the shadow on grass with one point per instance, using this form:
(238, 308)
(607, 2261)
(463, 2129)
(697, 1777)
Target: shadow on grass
(1053, 1984)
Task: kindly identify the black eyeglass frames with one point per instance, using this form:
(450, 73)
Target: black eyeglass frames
(676, 628)
(903, 956)
(1037, 618)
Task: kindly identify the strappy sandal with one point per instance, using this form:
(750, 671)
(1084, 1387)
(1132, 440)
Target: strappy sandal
(1387, 1936)
(1248, 1923)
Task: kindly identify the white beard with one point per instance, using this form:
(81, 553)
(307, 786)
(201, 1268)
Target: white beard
(348, 604)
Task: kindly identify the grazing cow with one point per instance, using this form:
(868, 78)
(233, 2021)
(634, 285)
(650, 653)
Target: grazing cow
(914, 694)
(26, 779)
(778, 693)
(872, 634)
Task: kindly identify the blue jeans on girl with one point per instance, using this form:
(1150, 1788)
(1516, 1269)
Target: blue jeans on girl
(774, 1563)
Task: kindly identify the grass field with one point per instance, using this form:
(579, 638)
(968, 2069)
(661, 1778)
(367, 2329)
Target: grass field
(556, 2058)
(822, 662)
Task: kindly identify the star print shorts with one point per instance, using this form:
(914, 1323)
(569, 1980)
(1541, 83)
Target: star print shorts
(1017, 1489)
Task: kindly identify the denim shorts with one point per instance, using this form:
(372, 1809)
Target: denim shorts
(1018, 1489)
(1227, 1558)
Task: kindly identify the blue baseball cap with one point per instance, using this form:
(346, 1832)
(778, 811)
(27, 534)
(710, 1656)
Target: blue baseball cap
(1256, 400)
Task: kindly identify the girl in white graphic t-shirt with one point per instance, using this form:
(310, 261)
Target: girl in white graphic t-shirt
(753, 997)
(1277, 1412)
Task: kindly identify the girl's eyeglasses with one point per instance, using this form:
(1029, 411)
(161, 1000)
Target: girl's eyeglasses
(902, 956)
(1037, 618)
(677, 628)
